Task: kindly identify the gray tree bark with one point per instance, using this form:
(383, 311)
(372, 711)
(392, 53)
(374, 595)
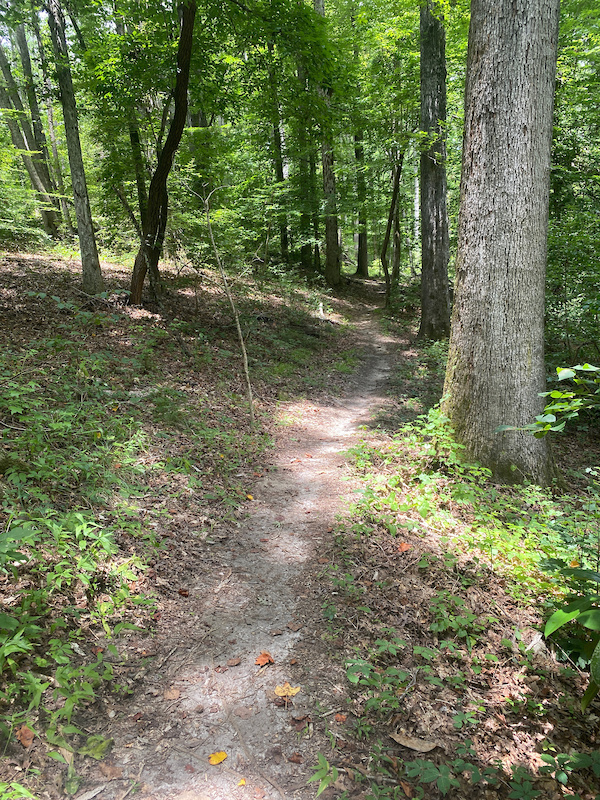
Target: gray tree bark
(90, 263)
(435, 247)
(496, 360)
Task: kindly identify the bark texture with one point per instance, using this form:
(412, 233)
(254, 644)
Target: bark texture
(496, 359)
(435, 248)
(158, 200)
(332, 244)
(362, 263)
(90, 263)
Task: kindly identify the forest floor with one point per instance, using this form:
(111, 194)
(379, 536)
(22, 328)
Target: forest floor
(318, 606)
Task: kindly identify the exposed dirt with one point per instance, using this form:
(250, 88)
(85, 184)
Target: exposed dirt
(201, 690)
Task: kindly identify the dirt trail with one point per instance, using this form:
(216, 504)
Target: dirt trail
(259, 594)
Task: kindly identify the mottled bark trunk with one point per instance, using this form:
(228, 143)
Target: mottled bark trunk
(496, 359)
(92, 277)
(156, 218)
(435, 248)
(362, 262)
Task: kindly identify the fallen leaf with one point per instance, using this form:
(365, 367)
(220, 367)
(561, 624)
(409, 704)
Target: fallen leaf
(295, 758)
(294, 661)
(220, 669)
(264, 658)
(294, 626)
(323, 560)
(111, 772)
(216, 758)
(25, 735)
(403, 547)
(183, 592)
(407, 788)
(171, 694)
(340, 718)
(308, 455)
(276, 632)
(234, 662)
(264, 540)
(242, 712)
(249, 496)
(189, 768)
(420, 745)
(242, 782)
(286, 690)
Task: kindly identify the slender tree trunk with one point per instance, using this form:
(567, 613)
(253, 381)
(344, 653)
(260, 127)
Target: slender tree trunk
(306, 178)
(23, 138)
(56, 168)
(92, 277)
(397, 246)
(435, 247)
(315, 211)
(34, 108)
(278, 162)
(362, 265)
(137, 156)
(332, 245)
(156, 219)
(388, 229)
(496, 359)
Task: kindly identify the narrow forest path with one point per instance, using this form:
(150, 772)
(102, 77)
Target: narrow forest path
(202, 690)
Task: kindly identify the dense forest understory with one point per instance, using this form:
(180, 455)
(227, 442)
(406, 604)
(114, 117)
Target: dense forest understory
(193, 607)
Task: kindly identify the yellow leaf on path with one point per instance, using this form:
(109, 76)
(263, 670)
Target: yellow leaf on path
(249, 496)
(216, 758)
(286, 690)
(242, 782)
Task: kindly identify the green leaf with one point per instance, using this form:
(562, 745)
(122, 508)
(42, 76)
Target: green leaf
(561, 617)
(591, 692)
(590, 619)
(565, 374)
(595, 664)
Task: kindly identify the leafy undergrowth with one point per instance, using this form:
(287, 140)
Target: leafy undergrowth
(119, 426)
(439, 589)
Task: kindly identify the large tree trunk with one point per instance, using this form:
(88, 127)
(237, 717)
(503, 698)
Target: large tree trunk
(496, 359)
(362, 264)
(156, 217)
(435, 248)
(90, 263)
